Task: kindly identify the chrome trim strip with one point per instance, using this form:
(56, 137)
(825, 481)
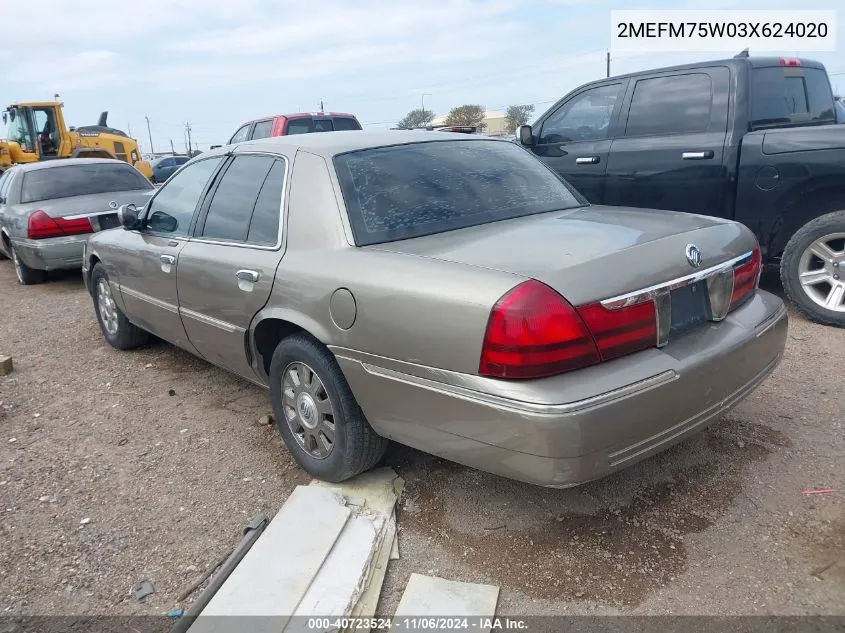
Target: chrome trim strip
(202, 318)
(151, 300)
(77, 216)
(674, 283)
(567, 408)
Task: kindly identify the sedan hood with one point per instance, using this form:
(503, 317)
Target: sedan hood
(589, 253)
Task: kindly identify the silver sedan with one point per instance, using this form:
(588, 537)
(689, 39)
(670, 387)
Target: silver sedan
(445, 291)
(47, 210)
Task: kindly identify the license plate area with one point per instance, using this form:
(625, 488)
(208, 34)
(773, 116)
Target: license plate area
(690, 307)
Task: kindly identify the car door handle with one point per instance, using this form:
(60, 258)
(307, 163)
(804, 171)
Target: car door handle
(697, 155)
(167, 259)
(247, 275)
(587, 160)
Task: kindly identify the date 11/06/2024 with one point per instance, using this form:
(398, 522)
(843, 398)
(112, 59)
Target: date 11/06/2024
(426, 623)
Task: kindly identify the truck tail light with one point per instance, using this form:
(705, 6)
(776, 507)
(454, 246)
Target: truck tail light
(534, 332)
(746, 279)
(623, 330)
(42, 226)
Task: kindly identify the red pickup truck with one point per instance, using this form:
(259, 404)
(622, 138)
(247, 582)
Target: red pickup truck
(299, 123)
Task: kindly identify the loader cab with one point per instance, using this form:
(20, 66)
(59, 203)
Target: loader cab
(36, 129)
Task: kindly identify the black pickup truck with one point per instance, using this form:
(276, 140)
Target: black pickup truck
(751, 139)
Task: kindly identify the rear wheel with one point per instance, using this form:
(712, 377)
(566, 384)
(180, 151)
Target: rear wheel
(26, 276)
(316, 413)
(114, 325)
(812, 269)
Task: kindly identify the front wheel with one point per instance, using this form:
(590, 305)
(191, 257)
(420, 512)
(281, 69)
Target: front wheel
(812, 269)
(114, 325)
(317, 415)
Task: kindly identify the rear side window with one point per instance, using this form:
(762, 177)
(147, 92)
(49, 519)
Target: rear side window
(81, 180)
(342, 123)
(231, 207)
(264, 225)
(679, 104)
(782, 95)
(405, 191)
(300, 126)
(262, 129)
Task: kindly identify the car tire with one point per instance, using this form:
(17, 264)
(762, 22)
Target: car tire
(355, 446)
(814, 283)
(114, 325)
(26, 276)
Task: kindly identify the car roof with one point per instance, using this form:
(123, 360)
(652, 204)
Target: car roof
(300, 115)
(66, 162)
(330, 144)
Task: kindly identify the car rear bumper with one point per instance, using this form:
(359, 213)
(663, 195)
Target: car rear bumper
(53, 253)
(580, 426)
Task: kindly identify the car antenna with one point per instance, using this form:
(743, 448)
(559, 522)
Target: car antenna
(742, 54)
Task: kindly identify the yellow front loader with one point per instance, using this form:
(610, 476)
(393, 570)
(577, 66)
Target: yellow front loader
(36, 131)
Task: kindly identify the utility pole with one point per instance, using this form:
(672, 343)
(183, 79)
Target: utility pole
(608, 63)
(188, 131)
(129, 127)
(152, 151)
(172, 149)
(321, 106)
(422, 100)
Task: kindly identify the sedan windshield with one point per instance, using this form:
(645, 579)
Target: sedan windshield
(81, 180)
(404, 191)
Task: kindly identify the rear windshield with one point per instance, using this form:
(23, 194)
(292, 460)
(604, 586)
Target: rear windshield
(787, 95)
(81, 180)
(345, 123)
(404, 191)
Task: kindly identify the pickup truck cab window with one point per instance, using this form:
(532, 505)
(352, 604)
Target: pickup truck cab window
(783, 95)
(172, 209)
(234, 198)
(676, 104)
(585, 117)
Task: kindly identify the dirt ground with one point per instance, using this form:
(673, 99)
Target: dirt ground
(119, 467)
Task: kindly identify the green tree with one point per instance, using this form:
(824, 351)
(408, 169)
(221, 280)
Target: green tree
(415, 119)
(467, 115)
(517, 115)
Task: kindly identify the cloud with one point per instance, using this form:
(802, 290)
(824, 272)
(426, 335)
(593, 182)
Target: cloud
(83, 70)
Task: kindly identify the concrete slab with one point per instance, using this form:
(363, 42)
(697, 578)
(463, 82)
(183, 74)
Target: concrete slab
(437, 597)
(275, 574)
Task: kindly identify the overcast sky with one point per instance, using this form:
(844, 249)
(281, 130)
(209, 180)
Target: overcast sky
(219, 63)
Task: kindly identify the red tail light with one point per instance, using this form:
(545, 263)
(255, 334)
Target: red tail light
(746, 278)
(534, 332)
(789, 61)
(621, 331)
(42, 226)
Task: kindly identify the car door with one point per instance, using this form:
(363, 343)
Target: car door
(669, 152)
(574, 138)
(226, 270)
(148, 258)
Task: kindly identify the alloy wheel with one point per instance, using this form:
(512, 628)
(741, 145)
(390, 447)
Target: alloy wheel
(821, 272)
(106, 306)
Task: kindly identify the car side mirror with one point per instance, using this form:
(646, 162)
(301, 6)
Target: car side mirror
(525, 135)
(127, 215)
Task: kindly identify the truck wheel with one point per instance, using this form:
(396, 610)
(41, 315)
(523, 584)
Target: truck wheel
(812, 269)
(317, 415)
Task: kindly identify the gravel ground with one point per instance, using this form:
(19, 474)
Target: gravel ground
(119, 467)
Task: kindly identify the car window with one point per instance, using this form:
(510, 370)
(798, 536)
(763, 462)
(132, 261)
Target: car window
(404, 191)
(300, 126)
(678, 104)
(345, 123)
(5, 184)
(166, 162)
(240, 135)
(585, 117)
(235, 197)
(81, 179)
(323, 125)
(172, 209)
(264, 225)
(262, 129)
(181, 160)
(790, 94)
